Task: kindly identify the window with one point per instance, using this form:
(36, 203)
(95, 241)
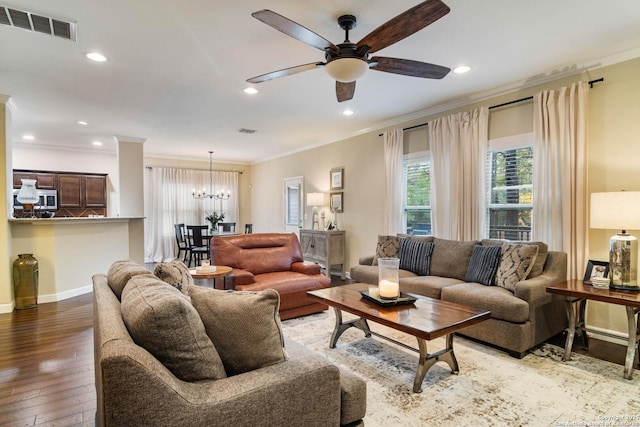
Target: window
(510, 190)
(417, 186)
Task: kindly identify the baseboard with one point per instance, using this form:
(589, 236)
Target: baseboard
(608, 335)
(65, 295)
(7, 308)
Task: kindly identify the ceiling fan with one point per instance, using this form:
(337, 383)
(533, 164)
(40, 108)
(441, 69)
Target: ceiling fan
(348, 61)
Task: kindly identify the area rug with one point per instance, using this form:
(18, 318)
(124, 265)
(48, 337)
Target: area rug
(492, 388)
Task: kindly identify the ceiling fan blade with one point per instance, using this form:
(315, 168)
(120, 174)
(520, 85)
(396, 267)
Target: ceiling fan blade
(407, 67)
(345, 91)
(285, 72)
(405, 24)
(293, 29)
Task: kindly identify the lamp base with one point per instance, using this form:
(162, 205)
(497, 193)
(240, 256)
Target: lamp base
(623, 261)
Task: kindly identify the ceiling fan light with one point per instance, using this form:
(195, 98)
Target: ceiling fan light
(346, 70)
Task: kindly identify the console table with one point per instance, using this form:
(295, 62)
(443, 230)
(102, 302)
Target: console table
(575, 291)
(324, 247)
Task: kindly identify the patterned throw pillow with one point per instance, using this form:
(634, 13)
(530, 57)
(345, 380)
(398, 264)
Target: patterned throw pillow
(161, 320)
(175, 273)
(388, 247)
(415, 256)
(516, 262)
(483, 265)
(244, 326)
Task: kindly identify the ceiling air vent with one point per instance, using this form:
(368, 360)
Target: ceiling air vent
(243, 130)
(38, 23)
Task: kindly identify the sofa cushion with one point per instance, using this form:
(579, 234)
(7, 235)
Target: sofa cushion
(369, 274)
(244, 327)
(387, 247)
(428, 286)
(516, 262)
(120, 272)
(541, 258)
(500, 302)
(162, 320)
(483, 265)
(415, 256)
(175, 273)
(450, 258)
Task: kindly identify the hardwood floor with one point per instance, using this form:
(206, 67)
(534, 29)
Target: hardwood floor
(46, 364)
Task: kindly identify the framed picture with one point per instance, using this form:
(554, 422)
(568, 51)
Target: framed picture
(595, 269)
(337, 202)
(337, 178)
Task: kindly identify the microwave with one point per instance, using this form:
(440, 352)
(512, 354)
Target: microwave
(48, 200)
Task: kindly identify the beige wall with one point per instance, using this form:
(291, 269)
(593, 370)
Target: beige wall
(614, 109)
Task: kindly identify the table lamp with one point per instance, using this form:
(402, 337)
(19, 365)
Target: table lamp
(619, 210)
(315, 200)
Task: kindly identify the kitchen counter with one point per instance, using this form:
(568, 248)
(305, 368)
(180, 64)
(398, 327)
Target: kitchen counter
(69, 220)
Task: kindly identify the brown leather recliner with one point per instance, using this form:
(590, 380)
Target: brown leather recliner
(271, 261)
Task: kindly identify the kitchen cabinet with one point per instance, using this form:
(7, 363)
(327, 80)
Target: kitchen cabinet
(44, 180)
(82, 191)
(326, 248)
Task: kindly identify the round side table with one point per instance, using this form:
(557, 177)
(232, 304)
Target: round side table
(221, 271)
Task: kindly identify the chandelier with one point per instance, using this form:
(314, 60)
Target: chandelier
(220, 195)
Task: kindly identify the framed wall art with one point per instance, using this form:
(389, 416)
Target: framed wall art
(336, 177)
(595, 269)
(336, 201)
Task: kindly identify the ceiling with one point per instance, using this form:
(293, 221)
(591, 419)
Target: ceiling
(176, 69)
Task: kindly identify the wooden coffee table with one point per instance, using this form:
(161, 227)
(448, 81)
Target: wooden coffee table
(426, 319)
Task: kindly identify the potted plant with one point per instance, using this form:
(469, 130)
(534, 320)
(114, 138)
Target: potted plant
(214, 219)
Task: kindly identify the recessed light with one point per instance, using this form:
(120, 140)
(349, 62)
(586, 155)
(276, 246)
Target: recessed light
(348, 112)
(461, 69)
(83, 123)
(250, 90)
(95, 56)
(97, 143)
(28, 137)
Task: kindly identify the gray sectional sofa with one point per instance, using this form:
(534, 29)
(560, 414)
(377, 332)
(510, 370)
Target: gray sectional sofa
(521, 317)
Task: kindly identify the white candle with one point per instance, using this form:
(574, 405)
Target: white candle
(388, 289)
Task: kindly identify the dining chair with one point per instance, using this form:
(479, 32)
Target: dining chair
(227, 226)
(197, 245)
(248, 228)
(183, 245)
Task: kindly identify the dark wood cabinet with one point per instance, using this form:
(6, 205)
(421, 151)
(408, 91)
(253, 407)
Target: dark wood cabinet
(45, 181)
(70, 191)
(79, 194)
(82, 191)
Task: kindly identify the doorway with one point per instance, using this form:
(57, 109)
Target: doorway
(293, 206)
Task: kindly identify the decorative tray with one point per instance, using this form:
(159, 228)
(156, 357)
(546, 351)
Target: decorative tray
(210, 269)
(401, 300)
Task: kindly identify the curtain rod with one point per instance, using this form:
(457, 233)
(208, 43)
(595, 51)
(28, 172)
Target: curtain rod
(190, 169)
(591, 83)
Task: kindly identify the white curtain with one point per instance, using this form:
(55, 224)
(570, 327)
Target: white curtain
(458, 146)
(171, 202)
(560, 173)
(393, 198)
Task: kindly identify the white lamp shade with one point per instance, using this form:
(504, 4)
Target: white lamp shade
(28, 194)
(315, 199)
(617, 210)
(347, 70)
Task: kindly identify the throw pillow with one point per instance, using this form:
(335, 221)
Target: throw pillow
(175, 273)
(516, 262)
(120, 272)
(162, 321)
(483, 264)
(244, 326)
(388, 247)
(541, 258)
(415, 256)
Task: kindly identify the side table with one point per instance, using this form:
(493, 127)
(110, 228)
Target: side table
(575, 291)
(221, 271)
